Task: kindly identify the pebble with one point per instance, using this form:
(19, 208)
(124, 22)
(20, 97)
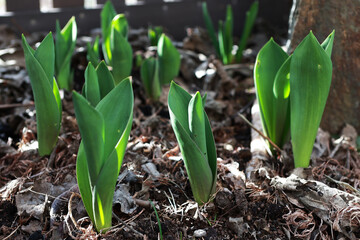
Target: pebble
(199, 233)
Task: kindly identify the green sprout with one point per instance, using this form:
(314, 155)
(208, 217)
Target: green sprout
(223, 41)
(40, 66)
(98, 83)
(117, 50)
(193, 132)
(159, 71)
(64, 48)
(292, 92)
(154, 34)
(93, 54)
(105, 130)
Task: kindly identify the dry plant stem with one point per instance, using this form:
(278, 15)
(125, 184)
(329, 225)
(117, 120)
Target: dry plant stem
(12, 233)
(330, 204)
(16, 105)
(259, 132)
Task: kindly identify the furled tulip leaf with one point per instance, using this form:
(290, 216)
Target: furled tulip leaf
(225, 37)
(119, 24)
(107, 15)
(91, 86)
(196, 142)
(64, 48)
(150, 77)
(93, 54)
(106, 80)
(154, 35)
(282, 79)
(40, 67)
(310, 79)
(110, 136)
(98, 83)
(169, 60)
(249, 23)
(210, 28)
(121, 60)
(274, 110)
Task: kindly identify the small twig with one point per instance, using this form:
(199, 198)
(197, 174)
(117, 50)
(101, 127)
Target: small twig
(74, 194)
(16, 105)
(128, 226)
(344, 185)
(259, 132)
(12, 233)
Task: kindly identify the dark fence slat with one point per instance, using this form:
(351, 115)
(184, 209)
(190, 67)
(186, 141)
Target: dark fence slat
(116, 3)
(68, 3)
(21, 5)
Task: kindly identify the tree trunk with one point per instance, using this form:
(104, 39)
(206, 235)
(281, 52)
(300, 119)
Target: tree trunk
(322, 16)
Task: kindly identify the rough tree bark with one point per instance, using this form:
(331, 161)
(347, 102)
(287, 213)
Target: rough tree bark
(322, 16)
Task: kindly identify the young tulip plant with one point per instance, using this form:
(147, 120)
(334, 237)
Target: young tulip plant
(64, 48)
(117, 50)
(292, 92)
(40, 67)
(223, 40)
(193, 132)
(159, 71)
(93, 54)
(154, 34)
(105, 129)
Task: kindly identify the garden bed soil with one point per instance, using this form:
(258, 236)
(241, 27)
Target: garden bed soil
(39, 195)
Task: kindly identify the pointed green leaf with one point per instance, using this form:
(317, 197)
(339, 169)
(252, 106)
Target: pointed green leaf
(197, 122)
(92, 130)
(310, 71)
(121, 59)
(91, 86)
(228, 34)
(107, 14)
(274, 111)
(169, 60)
(251, 15)
(210, 28)
(93, 54)
(150, 77)
(105, 78)
(46, 95)
(64, 48)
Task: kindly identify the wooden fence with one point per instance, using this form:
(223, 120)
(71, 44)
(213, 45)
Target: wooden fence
(175, 15)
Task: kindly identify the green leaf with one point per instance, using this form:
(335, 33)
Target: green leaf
(169, 60)
(154, 35)
(64, 48)
(91, 87)
(228, 34)
(150, 77)
(251, 15)
(40, 67)
(92, 130)
(310, 71)
(120, 25)
(105, 78)
(210, 28)
(192, 130)
(274, 111)
(121, 59)
(107, 15)
(93, 54)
